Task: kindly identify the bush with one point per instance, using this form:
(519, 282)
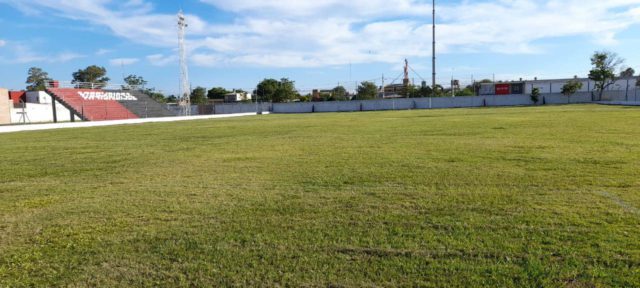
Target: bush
(535, 95)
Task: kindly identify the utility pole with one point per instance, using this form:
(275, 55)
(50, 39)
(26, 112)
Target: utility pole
(453, 86)
(383, 90)
(434, 51)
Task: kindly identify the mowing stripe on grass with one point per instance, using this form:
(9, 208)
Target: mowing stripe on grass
(623, 204)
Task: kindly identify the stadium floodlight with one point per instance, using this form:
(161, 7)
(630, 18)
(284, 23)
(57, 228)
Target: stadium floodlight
(433, 60)
(185, 88)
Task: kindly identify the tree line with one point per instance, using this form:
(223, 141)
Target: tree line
(603, 73)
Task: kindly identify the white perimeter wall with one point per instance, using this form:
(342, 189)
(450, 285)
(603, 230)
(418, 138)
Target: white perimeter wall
(41, 113)
(38, 97)
(40, 110)
(555, 86)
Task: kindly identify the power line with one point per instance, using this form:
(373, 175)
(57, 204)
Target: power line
(414, 71)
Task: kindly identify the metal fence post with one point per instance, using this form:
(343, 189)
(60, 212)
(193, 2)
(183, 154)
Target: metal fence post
(626, 94)
(55, 113)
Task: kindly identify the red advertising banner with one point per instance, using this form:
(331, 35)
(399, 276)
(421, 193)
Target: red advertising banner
(503, 89)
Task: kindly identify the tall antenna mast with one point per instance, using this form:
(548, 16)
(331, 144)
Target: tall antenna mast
(185, 89)
(433, 60)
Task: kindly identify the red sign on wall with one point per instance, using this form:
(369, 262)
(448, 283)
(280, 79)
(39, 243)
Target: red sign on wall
(503, 89)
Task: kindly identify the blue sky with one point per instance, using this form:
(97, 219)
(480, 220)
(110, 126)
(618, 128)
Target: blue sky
(318, 44)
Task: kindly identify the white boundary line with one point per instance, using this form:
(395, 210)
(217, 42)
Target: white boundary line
(51, 126)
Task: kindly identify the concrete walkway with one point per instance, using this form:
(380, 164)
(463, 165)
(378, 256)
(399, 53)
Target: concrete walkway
(51, 126)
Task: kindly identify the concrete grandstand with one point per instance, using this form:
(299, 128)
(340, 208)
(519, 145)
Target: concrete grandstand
(78, 101)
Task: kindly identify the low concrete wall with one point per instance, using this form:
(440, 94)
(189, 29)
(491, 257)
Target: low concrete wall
(619, 95)
(177, 110)
(341, 106)
(235, 108)
(557, 98)
(426, 103)
(512, 100)
(389, 104)
(5, 107)
(305, 107)
(458, 102)
(402, 104)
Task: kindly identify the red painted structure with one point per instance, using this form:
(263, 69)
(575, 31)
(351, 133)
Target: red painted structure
(91, 110)
(503, 89)
(16, 96)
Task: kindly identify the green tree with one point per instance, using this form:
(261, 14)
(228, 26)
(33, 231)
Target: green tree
(425, 91)
(571, 88)
(339, 93)
(440, 92)
(135, 81)
(155, 95)
(199, 95)
(266, 90)
(217, 93)
(286, 91)
(91, 74)
(272, 90)
(367, 90)
(535, 95)
(37, 79)
(324, 96)
(305, 98)
(603, 72)
(627, 73)
(411, 91)
(467, 91)
(172, 99)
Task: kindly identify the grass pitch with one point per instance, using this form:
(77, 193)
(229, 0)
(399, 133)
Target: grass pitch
(520, 197)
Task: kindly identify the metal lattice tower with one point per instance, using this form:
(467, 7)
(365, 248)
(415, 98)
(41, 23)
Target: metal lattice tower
(433, 60)
(185, 88)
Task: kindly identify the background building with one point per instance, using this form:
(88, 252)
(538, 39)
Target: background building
(5, 107)
(237, 97)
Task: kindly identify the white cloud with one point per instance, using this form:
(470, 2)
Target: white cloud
(332, 32)
(65, 57)
(23, 53)
(350, 9)
(320, 33)
(103, 51)
(131, 20)
(123, 61)
(3, 43)
(161, 60)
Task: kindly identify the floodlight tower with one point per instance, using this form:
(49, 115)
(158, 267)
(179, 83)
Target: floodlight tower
(185, 88)
(433, 51)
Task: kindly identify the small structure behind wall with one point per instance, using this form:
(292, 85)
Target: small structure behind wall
(39, 107)
(5, 107)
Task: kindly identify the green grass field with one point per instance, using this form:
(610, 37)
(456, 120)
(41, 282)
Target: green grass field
(510, 197)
